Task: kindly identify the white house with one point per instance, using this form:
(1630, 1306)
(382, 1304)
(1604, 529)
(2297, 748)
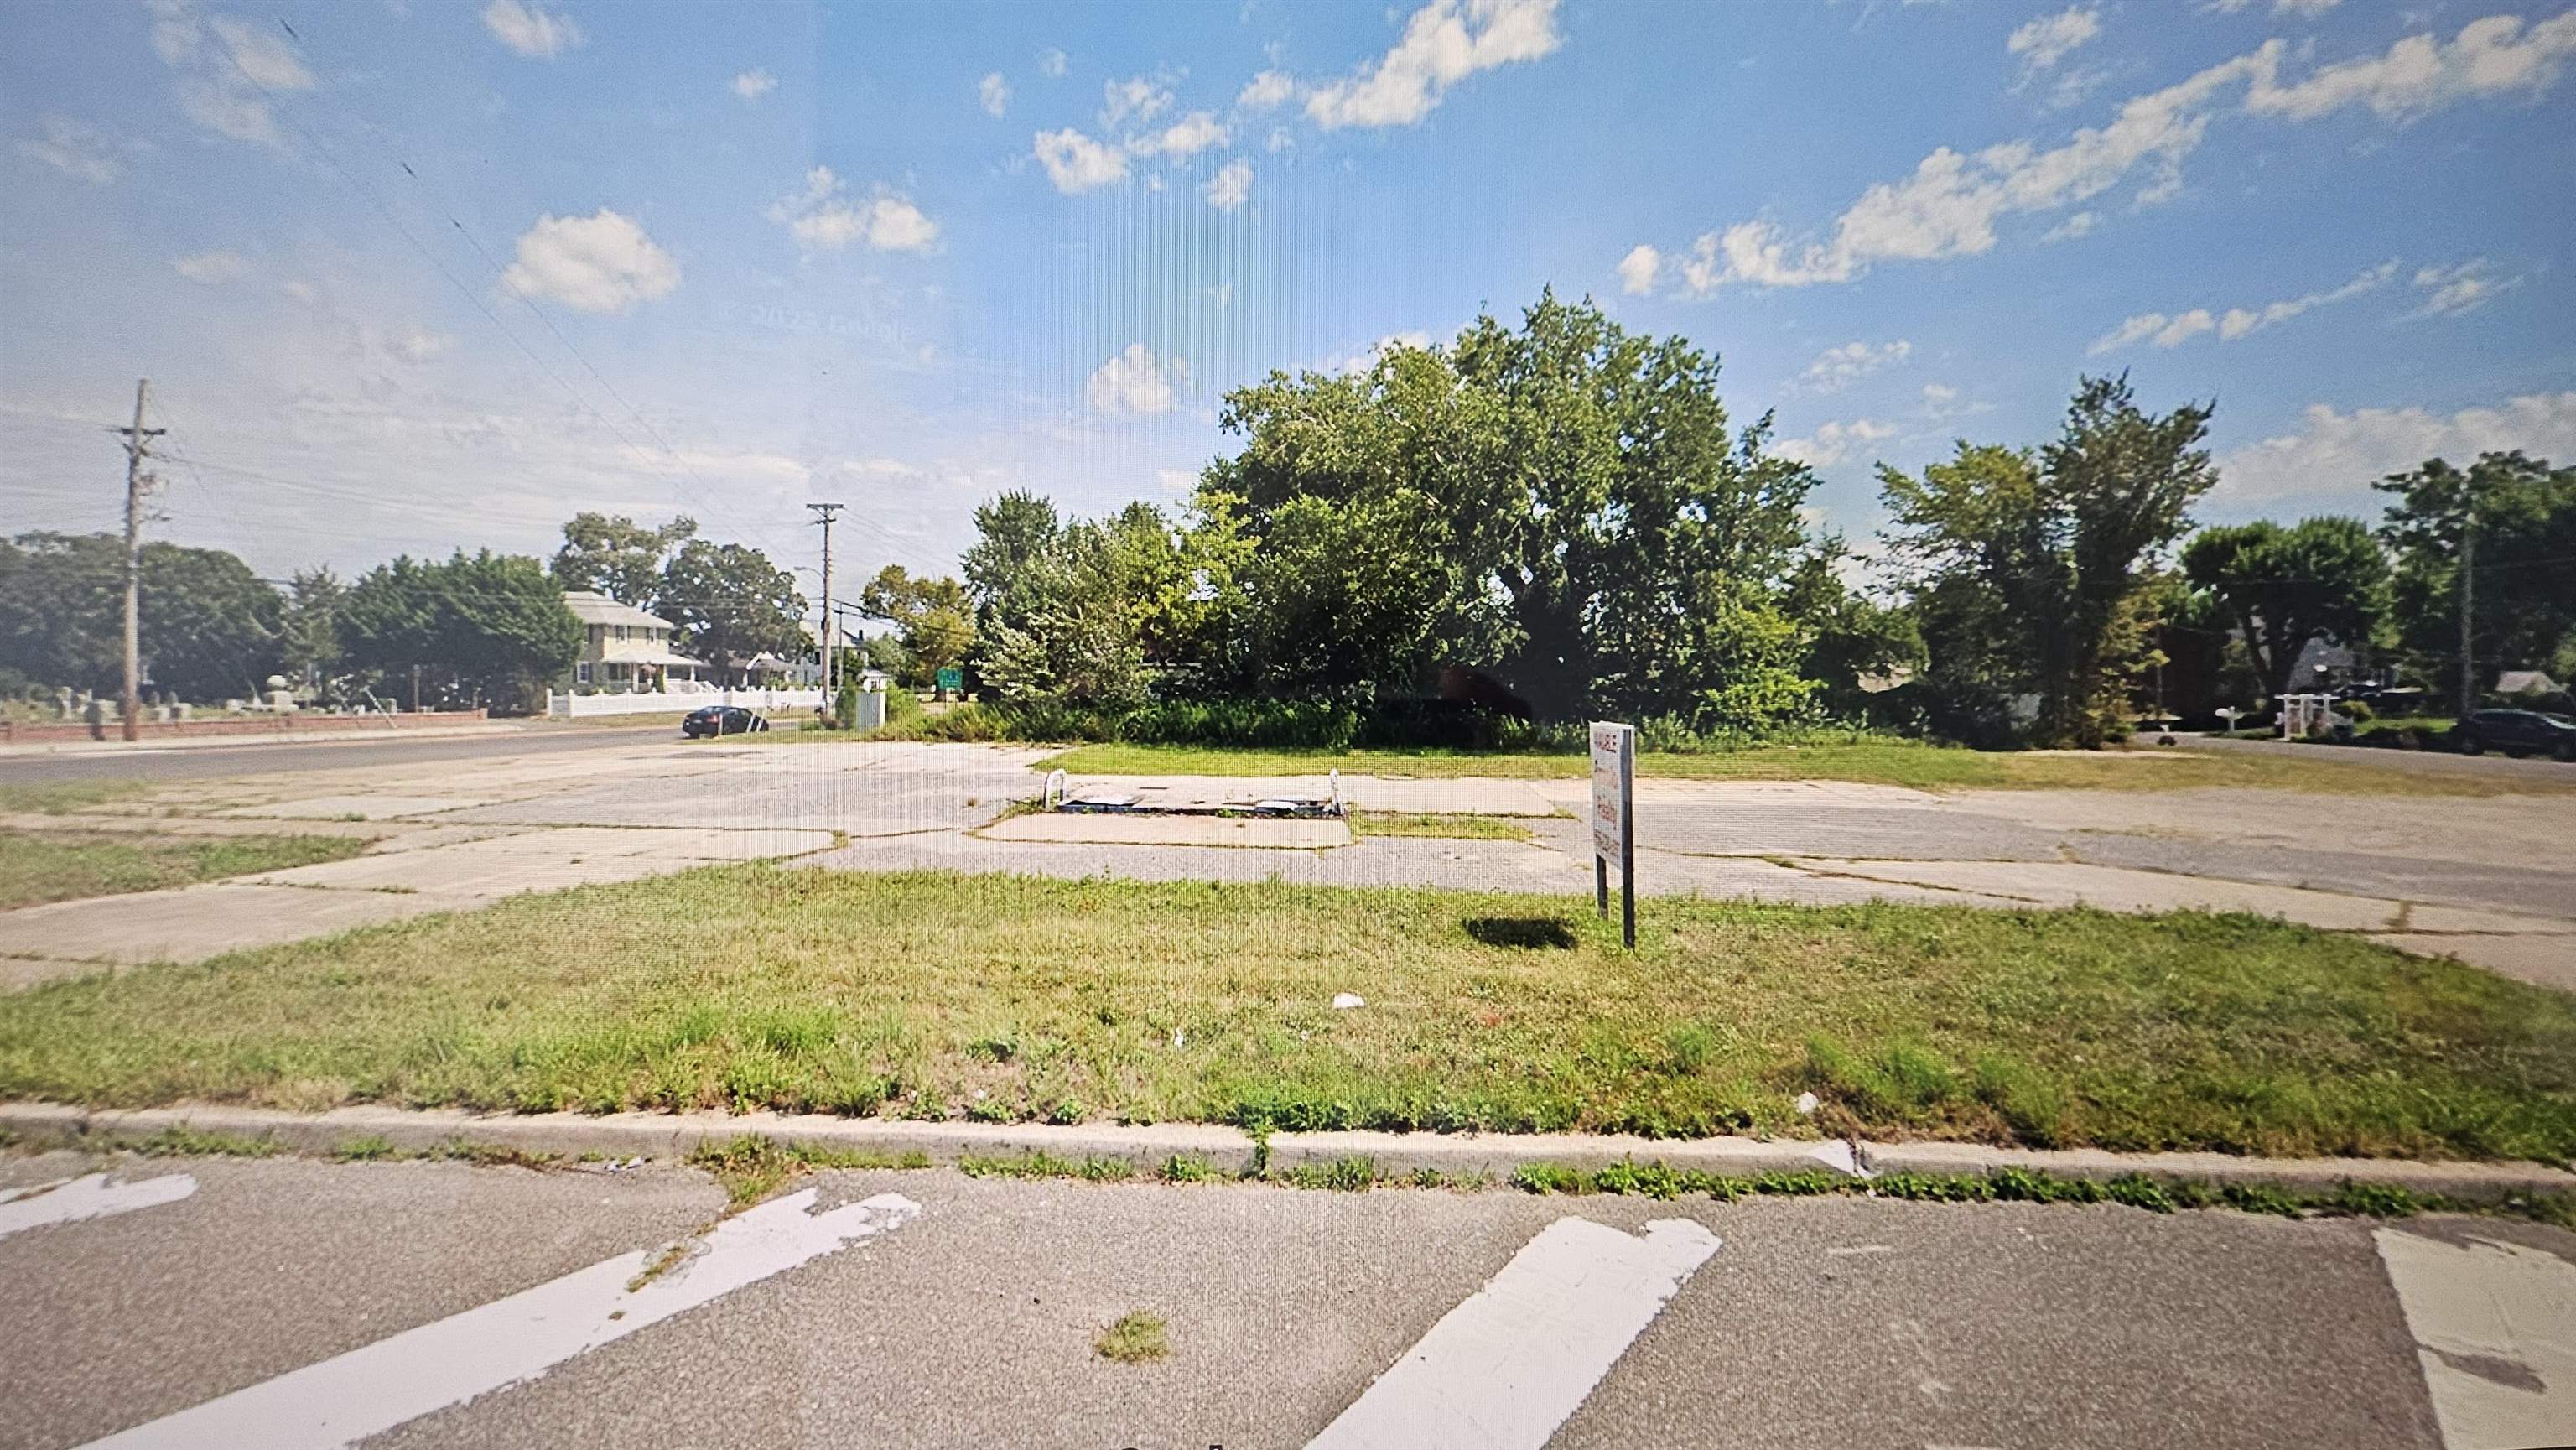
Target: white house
(623, 648)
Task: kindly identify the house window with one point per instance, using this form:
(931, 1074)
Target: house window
(581, 673)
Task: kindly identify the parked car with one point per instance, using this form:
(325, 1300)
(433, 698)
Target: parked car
(720, 720)
(2518, 733)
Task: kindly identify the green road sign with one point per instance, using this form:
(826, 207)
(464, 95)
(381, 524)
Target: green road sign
(952, 678)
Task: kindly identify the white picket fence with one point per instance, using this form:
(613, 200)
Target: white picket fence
(767, 702)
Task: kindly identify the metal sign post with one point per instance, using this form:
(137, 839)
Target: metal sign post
(1614, 821)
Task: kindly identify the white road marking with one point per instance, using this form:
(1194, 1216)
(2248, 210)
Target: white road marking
(511, 1341)
(2495, 1326)
(1507, 1366)
(90, 1197)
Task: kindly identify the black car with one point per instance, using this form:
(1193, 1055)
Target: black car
(720, 720)
(2518, 733)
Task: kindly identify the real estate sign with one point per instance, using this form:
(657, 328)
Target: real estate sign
(1614, 819)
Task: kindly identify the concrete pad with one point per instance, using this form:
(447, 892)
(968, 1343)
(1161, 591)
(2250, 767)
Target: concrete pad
(2547, 961)
(187, 826)
(361, 807)
(2441, 919)
(546, 860)
(195, 922)
(1172, 831)
(2044, 883)
(19, 973)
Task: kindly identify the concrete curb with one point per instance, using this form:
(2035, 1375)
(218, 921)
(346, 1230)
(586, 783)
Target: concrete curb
(1229, 1150)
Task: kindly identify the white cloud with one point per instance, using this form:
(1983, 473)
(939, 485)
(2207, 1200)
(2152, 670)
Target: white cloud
(1837, 368)
(599, 263)
(1941, 401)
(2279, 7)
(1222, 294)
(531, 30)
(2334, 457)
(1637, 269)
(1950, 205)
(1231, 187)
(1188, 136)
(1076, 163)
(1443, 44)
(1266, 91)
(1176, 480)
(2462, 288)
(1360, 360)
(1137, 382)
(212, 268)
(2044, 42)
(2079, 224)
(2236, 322)
(751, 85)
(75, 148)
(995, 95)
(822, 218)
(228, 71)
(2420, 74)
(1832, 441)
(1052, 64)
(1279, 140)
(1137, 99)
(420, 345)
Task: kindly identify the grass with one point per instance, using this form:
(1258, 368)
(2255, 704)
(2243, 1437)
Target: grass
(53, 798)
(1446, 827)
(42, 866)
(752, 1168)
(1136, 1337)
(1920, 766)
(741, 987)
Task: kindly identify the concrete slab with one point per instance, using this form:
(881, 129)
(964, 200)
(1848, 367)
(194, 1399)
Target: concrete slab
(355, 807)
(546, 860)
(2465, 920)
(1172, 831)
(2044, 883)
(195, 922)
(2547, 961)
(189, 826)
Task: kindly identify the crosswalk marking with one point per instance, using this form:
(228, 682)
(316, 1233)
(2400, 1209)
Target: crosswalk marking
(1507, 1366)
(511, 1341)
(2495, 1326)
(90, 1197)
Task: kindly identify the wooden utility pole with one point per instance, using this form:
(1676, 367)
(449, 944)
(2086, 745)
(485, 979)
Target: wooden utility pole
(2468, 597)
(137, 484)
(823, 513)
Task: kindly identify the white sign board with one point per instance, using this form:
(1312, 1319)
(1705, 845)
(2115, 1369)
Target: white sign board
(1611, 782)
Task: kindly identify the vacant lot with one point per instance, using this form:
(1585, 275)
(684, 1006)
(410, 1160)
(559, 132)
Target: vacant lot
(41, 866)
(1005, 998)
(1922, 767)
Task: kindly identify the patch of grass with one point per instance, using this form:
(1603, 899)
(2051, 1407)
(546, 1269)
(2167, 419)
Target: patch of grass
(41, 866)
(53, 798)
(752, 1167)
(372, 1148)
(1444, 827)
(1921, 766)
(1341, 1175)
(184, 1142)
(734, 988)
(1186, 1168)
(1036, 1163)
(1135, 1337)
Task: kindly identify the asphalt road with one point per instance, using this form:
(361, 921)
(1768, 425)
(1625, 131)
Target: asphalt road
(1827, 1322)
(2433, 762)
(146, 762)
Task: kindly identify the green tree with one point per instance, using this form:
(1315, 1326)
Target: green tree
(1557, 501)
(730, 605)
(618, 557)
(2321, 578)
(483, 627)
(2525, 517)
(2043, 559)
(934, 618)
(309, 639)
(1091, 614)
(1012, 532)
(209, 627)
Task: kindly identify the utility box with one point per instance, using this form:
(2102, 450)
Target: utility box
(870, 712)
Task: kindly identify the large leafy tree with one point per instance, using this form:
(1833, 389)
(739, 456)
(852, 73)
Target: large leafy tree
(933, 618)
(2321, 578)
(1561, 502)
(488, 627)
(2524, 513)
(2039, 565)
(618, 557)
(309, 638)
(731, 604)
(209, 627)
(1096, 613)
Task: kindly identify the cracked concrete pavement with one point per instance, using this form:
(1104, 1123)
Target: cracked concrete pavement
(2487, 879)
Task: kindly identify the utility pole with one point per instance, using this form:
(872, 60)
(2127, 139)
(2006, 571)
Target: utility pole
(2468, 598)
(823, 513)
(137, 483)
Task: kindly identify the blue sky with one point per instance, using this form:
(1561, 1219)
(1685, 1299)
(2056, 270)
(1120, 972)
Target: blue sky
(410, 276)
